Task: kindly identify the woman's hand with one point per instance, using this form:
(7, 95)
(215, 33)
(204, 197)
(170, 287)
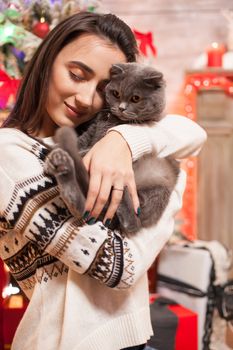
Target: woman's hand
(109, 164)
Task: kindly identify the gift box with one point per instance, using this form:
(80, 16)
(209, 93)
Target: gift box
(175, 327)
(11, 312)
(195, 274)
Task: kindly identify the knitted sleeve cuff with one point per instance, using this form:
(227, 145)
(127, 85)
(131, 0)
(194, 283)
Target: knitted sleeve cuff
(137, 139)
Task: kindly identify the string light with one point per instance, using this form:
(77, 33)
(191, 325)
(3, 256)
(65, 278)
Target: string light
(10, 290)
(193, 84)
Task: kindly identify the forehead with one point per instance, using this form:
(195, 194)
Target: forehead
(96, 52)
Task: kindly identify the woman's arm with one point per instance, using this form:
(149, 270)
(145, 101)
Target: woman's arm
(31, 208)
(109, 162)
(174, 135)
(94, 250)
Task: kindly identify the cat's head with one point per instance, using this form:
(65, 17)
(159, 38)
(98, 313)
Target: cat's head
(135, 92)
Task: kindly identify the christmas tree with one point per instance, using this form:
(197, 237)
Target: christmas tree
(23, 25)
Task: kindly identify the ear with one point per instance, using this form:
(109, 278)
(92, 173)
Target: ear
(116, 70)
(154, 80)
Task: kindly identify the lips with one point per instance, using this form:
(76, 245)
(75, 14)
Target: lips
(72, 108)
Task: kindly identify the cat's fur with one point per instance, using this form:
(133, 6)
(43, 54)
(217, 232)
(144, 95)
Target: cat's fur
(135, 94)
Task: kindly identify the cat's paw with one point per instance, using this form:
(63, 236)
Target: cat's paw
(58, 162)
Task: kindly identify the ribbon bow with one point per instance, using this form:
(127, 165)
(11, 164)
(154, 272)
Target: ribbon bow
(8, 88)
(146, 41)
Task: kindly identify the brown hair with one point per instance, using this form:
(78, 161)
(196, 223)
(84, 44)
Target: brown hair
(30, 106)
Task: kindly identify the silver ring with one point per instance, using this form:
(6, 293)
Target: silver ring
(118, 189)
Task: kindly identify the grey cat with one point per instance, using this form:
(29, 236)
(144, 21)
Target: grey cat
(134, 95)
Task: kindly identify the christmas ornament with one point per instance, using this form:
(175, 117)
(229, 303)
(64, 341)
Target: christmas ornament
(41, 29)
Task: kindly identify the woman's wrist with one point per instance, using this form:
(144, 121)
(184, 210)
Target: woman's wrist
(120, 138)
(136, 138)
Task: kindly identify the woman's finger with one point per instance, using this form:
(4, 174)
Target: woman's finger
(133, 193)
(116, 197)
(103, 196)
(93, 192)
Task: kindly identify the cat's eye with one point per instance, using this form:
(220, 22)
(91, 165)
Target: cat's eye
(116, 93)
(135, 98)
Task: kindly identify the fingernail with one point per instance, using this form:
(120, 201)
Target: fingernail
(86, 214)
(107, 222)
(138, 211)
(91, 221)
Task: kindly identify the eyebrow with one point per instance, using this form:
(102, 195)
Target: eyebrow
(82, 65)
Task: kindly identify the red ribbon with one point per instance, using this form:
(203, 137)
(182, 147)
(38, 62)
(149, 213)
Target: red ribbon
(8, 87)
(145, 42)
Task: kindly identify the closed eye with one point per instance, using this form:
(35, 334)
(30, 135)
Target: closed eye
(76, 77)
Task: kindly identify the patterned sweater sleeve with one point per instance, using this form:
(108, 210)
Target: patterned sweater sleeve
(174, 135)
(31, 207)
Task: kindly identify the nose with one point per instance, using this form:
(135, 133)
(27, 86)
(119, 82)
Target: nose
(85, 96)
(122, 106)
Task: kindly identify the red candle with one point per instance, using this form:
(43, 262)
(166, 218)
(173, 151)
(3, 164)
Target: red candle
(214, 55)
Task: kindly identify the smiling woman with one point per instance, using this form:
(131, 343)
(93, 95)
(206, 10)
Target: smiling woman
(74, 86)
(87, 284)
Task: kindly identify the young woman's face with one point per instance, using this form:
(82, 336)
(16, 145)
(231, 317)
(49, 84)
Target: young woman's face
(79, 74)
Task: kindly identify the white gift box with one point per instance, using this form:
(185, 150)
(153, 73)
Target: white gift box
(186, 272)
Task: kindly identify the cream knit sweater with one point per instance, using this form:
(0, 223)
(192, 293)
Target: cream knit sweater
(87, 285)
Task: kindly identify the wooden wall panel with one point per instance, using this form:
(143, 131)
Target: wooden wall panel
(215, 184)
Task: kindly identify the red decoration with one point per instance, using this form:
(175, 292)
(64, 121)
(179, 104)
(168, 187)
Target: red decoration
(11, 318)
(215, 55)
(41, 29)
(187, 329)
(3, 281)
(194, 82)
(145, 42)
(186, 334)
(8, 89)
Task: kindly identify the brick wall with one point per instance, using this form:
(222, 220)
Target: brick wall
(182, 30)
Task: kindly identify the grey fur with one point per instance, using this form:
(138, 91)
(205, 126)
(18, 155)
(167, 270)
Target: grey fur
(155, 177)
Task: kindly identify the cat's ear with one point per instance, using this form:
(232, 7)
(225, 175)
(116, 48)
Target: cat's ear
(116, 70)
(154, 80)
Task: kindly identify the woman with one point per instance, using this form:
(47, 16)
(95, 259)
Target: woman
(87, 285)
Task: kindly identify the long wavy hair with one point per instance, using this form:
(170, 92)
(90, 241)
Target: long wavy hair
(30, 106)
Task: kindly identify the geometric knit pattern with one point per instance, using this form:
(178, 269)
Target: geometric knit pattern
(36, 212)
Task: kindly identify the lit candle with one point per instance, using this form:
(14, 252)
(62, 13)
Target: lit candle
(214, 55)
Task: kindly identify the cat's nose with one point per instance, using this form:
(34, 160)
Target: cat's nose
(122, 106)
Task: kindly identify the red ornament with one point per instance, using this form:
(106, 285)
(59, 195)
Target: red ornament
(41, 29)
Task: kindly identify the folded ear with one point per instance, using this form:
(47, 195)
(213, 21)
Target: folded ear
(155, 80)
(116, 70)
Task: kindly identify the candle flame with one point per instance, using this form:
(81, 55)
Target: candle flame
(215, 45)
